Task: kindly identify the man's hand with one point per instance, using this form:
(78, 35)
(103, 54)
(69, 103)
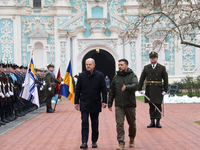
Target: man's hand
(140, 92)
(110, 108)
(103, 105)
(76, 106)
(123, 87)
(62, 83)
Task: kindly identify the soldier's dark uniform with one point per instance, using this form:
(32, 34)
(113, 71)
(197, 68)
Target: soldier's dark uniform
(18, 83)
(156, 83)
(2, 98)
(50, 81)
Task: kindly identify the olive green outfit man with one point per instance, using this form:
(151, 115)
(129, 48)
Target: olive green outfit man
(125, 103)
(155, 88)
(50, 88)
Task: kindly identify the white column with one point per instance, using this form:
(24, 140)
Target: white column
(138, 56)
(77, 64)
(17, 40)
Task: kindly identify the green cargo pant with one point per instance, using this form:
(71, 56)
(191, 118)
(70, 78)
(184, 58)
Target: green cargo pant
(120, 113)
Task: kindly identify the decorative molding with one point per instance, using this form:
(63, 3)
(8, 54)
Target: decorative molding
(4, 1)
(61, 19)
(79, 6)
(35, 34)
(188, 59)
(133, 53)
(7, 41)
(41, 25)
(23, 2)
(93, 4)
(77, 23)
(115, 6)
(49, 2)
(78, 16)
(81, 45)
(120, 19)
(63, 53)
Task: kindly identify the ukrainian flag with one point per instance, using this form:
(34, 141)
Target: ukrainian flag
(67, 88)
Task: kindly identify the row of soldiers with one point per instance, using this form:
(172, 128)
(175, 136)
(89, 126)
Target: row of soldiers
(12, 105)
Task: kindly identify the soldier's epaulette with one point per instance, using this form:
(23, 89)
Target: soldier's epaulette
(161, 64)
(147, 65)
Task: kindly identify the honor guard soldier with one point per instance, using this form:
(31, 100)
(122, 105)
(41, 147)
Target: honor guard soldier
(19, 82)
(156, 78)
(50, 87)
(5, 114)
(2, 97)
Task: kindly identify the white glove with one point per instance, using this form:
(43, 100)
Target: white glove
(44, 83)
(163, 93)
(23, 84)
(1, 94)
(49, 88)
(41, 88)
(7, 95)
(11, 93)
(62, 82)
(140, 92)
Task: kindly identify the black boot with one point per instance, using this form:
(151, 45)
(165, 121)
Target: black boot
(3, 119)
(50, 110)
(2, 123)
(158, 123)
(48, 105)
(152, 124)
(18, 113)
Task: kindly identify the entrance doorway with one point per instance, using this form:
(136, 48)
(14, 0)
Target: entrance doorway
(104, 62)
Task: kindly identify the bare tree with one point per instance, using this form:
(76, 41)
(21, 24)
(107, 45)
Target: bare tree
(179, 18)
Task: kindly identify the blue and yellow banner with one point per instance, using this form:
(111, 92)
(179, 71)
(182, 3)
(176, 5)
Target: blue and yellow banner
(67, 88)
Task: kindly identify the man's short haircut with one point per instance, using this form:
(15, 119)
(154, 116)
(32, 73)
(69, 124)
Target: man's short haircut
(93, 61)
(124, 60)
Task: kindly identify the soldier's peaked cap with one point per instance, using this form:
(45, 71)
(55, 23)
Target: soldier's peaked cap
(153, 54)
(4, 65)
(50, 65)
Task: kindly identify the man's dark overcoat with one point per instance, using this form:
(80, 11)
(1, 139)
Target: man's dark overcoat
(88, 91)
(154, 90)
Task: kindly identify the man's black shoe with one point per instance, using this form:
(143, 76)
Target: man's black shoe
(94, 145)
(84, 145)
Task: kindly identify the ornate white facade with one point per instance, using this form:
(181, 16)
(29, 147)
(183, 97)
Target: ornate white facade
(70, 29)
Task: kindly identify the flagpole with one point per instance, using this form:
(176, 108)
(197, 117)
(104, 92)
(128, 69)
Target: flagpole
(57, 98)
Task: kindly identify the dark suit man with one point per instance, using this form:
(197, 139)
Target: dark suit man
(50, 87)
(89, 87)
(154, 73)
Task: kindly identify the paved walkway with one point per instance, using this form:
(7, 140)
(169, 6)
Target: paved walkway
(62, 130)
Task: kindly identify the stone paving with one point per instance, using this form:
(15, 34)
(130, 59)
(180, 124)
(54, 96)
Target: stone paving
(62, 130)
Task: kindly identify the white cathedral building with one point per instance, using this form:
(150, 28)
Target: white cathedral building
(59, 30)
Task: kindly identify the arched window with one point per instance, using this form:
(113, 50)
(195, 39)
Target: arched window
(37, 3)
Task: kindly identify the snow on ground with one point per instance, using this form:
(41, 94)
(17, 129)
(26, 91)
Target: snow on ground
(177, 99)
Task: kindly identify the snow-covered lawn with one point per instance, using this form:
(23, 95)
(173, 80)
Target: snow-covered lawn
(177, 99)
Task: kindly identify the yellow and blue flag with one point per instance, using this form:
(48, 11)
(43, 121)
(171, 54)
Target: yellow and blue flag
(30, 92)
(67, 88)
